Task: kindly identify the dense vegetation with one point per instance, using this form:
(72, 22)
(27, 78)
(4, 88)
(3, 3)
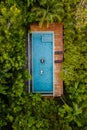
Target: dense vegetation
(20, 110)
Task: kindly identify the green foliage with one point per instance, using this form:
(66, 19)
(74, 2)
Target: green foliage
(37, 114)
(73, 112)
(47, 11)
(12, 61)
(19, 111)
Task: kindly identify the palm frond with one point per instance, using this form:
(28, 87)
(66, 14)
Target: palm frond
(48, 11)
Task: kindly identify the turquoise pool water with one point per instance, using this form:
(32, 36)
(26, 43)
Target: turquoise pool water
(42, 62)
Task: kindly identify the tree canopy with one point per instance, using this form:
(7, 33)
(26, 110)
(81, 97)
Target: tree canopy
(20, 110)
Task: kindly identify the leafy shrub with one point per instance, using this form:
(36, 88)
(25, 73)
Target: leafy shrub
(12, 60)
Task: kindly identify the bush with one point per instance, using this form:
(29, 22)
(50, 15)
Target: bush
(12, 61)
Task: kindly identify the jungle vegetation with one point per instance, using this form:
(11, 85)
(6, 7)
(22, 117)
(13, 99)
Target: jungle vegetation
(20, 110)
